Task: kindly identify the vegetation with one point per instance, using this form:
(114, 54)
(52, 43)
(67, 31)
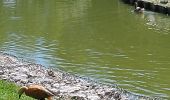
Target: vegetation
(9, 91)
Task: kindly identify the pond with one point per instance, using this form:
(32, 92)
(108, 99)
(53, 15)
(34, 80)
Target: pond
(101, 39)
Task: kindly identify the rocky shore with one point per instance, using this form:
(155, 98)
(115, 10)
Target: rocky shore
(64, 85)
(160, 6)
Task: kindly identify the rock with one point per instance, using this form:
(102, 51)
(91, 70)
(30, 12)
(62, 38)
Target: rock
(24, 70)
(56, 85)
(164, 1)
(64, 85)
(78, 95)
(1, 72)
(77, 98)
(93, 97)
(50, 73)
(69, 89)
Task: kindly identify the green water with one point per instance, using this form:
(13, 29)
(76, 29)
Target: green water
(101, 39)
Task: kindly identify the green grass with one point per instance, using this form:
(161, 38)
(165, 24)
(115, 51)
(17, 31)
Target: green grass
(9, 91)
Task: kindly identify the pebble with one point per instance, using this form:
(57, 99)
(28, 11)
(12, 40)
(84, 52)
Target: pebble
(63, 84)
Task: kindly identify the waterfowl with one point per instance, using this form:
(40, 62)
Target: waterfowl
(36, 91)
(138, 9)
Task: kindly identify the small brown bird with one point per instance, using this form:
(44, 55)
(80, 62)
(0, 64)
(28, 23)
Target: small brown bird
(36, 91)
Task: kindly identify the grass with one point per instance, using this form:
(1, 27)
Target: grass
(9, 91)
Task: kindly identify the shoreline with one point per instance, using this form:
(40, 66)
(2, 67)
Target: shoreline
(160, 6)
(66, 86)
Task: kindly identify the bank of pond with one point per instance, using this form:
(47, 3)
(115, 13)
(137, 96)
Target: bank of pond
(160, 6)
(67, 86)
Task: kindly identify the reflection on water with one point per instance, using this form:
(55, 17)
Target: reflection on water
(9, 3)
(157, 22)
(94, 38)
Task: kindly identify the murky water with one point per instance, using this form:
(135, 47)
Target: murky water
(101, 39)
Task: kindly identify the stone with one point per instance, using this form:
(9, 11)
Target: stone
(64, 85)
(69, 89)
(1, 72)
(56, 85)
(93, 97)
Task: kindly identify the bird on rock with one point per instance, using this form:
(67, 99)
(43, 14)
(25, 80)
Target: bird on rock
(36, 91)
(138, 9)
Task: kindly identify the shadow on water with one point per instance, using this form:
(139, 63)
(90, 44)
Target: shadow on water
(100, 39)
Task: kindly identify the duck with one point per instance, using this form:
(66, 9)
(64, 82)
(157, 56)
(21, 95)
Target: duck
(36, 91)
(138, 9)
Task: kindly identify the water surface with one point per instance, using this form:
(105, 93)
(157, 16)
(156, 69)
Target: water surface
(101, 39)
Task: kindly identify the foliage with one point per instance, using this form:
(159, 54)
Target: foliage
(9, 91)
